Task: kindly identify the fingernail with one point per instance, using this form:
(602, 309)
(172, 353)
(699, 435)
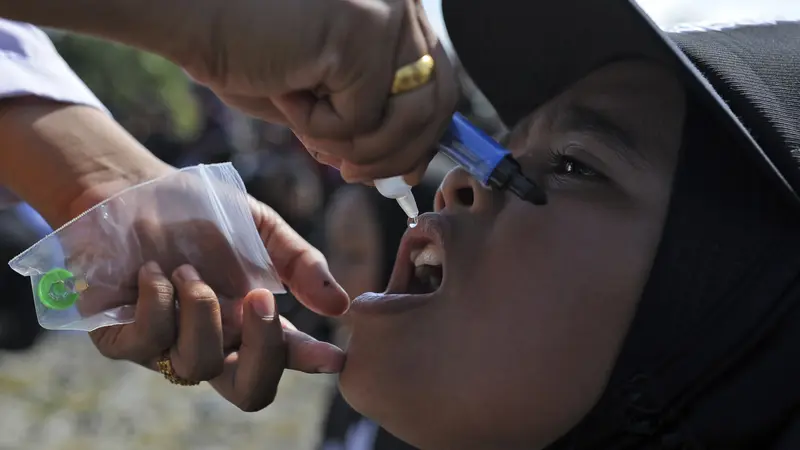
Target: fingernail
(263, 305)
(153, 267)
(187, 273)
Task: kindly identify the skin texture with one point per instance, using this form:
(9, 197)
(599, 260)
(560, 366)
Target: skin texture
(60, 158)
(518, 343)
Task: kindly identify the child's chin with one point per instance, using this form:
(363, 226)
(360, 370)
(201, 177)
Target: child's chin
(362, 391)
(370, 376)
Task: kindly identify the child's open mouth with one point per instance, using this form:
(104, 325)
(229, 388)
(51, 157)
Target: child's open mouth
(418, 273)
(419, 268)
(428, 271)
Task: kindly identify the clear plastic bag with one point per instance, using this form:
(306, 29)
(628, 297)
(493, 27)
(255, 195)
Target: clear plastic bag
(84, 275)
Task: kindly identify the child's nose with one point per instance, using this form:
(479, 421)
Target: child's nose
(460, 191)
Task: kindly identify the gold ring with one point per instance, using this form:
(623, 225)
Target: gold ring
(414, 75)
(165, 367)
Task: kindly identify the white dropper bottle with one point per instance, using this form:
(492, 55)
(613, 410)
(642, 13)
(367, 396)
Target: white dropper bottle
(398, 189)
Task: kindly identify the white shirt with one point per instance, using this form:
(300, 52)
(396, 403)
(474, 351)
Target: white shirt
(30, 65)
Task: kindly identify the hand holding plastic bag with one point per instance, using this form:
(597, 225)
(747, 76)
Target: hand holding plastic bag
(173, 225)
(84, 275)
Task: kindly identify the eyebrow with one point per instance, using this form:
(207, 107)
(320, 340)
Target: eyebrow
(582, 119)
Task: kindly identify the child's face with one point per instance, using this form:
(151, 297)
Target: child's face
(517, 342)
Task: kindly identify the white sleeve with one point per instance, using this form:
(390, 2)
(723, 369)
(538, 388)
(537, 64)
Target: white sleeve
(30, 65)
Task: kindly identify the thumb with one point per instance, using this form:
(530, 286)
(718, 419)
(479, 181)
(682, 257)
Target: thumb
(268, 347)
(250, 376)
(309, 355)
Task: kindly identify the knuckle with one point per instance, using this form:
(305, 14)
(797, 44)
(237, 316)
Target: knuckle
(361, 158)
(162, 288)
(199, 292)
(424, 113)
(410, 167)
(250, 406)
(201, 369)
(352, 176)
(110, 352)
(415, 177)
(367, 119)
(106, 345)
(451, 98)
(254, 403)
(160, 339)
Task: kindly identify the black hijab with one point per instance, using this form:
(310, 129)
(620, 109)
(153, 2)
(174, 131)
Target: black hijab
(711, 360)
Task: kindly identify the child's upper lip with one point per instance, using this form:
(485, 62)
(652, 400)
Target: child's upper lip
(430, 229)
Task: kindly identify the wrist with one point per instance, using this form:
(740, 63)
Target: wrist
(101, 184)
(63, 159)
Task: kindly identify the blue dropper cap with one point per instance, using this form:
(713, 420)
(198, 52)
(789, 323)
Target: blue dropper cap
(487, 161)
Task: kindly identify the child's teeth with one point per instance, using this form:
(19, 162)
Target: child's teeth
(429, 256)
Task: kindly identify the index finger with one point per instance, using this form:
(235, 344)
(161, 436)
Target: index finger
(301, 266)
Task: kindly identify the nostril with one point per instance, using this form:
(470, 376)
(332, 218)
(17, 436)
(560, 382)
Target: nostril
(466, 196)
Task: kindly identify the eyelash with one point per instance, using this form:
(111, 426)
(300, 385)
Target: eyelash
(564, 168)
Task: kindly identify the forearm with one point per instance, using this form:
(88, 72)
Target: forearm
(167, 27)
(62, 159)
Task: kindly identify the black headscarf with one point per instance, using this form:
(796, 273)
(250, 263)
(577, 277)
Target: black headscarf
(712, 358)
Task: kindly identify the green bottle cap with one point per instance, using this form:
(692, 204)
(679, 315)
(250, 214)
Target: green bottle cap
(56, 289)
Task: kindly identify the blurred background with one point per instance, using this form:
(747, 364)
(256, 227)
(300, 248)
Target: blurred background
(57, 392)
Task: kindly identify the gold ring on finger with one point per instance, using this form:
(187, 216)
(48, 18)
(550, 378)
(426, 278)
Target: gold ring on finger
(164, 364)
(414, 75)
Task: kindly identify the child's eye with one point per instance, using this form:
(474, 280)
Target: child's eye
(566, 166)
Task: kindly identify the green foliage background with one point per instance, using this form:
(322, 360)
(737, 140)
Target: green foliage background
(130, 81)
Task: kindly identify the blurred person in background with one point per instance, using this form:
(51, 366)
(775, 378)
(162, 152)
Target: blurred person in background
(280, 173)
(160, 137)
(213, 143)
(362, 235)
(19, 328)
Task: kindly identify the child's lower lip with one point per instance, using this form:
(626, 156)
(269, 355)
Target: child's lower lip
(374, 303)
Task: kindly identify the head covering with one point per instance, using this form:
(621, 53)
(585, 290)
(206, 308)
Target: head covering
(710, 360)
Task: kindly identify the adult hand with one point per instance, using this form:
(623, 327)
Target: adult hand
(246, 375)
(323, 67)
(238, 344)
(86, 158)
